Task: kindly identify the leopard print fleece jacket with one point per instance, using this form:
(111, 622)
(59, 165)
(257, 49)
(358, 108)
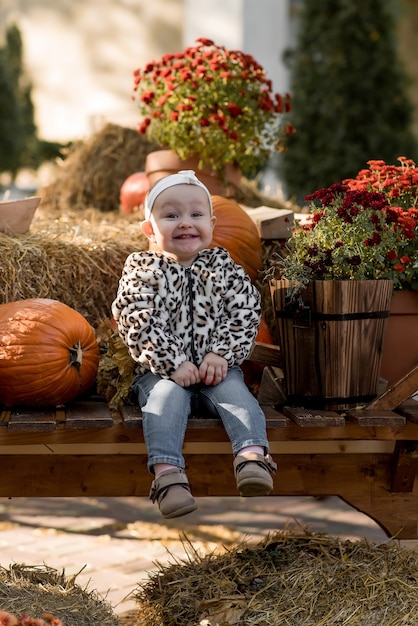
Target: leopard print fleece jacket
(167, 313)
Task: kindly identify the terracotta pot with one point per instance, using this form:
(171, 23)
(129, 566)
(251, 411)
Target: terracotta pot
(16, 215)
(164, 162)
(400, 346)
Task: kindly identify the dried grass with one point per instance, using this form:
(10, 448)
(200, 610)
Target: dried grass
(290, 578)
(94, 170)
(72, 256)
(116, 367)
(35, 590)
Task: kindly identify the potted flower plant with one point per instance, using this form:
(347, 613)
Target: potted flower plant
(353, 249)
(399, 183)
(212, 104)
(364, 228)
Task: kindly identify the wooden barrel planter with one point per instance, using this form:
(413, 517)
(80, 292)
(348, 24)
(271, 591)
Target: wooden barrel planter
(331, 340)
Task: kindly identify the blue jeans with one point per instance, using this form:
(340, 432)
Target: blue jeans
(166, 408)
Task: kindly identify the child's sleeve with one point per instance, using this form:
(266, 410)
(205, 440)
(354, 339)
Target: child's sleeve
(142, 319)
(234, 336)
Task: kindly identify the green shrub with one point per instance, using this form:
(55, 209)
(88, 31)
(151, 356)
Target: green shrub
(349, 93)
(19, 146)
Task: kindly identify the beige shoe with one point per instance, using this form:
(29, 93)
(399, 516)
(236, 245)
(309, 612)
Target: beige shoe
(172, 492)
(253, 473)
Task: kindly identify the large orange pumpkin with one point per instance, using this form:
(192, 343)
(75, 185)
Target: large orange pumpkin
(235, 231)
(48, 353)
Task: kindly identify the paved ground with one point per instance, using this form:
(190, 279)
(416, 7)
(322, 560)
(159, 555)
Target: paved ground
(115, 542)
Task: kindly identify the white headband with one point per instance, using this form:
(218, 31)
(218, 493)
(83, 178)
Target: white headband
(184, 177)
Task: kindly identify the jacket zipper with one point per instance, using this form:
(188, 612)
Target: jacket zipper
(191, 312)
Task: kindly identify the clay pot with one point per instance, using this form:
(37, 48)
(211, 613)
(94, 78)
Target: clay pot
(400, 345)
(16, 215)
(164, 162)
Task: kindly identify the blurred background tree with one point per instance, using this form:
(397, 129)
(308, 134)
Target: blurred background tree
(349, 91)
(10, 128)
(20, 145)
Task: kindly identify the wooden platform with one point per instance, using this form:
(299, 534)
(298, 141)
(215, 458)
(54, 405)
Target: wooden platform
(368, 457)
(91, 450)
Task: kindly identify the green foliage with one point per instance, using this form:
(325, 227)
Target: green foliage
(10, 143)
(349, 94)
(16, 109)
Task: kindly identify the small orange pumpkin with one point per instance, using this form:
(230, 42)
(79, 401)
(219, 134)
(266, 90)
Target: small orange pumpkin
(133, 192)
(264, 334)
(48, 353)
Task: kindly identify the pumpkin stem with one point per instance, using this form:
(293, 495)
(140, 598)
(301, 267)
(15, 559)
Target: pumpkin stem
(76, 355)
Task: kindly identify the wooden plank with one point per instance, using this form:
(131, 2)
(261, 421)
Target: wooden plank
(74, 475)
(404, 466)
(131, 415)
(397, 393)
(304, 417)
(266, 353)
(209, 449)
(283, 448)
(85, 414)
(4, 417)
(272, 223)
(60, 416)
(24, 449)
(29, 420)
(279, 427)
(271, 389)
(410, 410)
(101, 449)
(368, 417)
(132, 418)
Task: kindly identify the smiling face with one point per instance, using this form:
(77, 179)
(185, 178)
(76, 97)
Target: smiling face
(181, 223)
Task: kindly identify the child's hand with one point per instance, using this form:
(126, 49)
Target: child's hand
(185, 375)
(213, 369)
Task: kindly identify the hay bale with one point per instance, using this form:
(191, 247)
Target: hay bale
(75, 257)
(94, 170)
(297, 578)
(36, 590)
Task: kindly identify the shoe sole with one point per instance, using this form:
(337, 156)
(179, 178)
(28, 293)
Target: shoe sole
(179, 512)
(252, 489)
